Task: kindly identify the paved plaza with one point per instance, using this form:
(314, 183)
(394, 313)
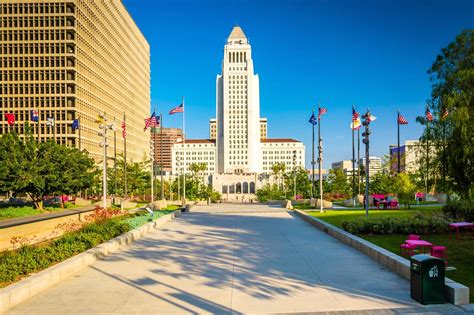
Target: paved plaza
(232, 259)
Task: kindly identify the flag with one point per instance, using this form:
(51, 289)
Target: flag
(34, 116)
(99, 120)
(401, 120)
(50, 121)
(124, 130)
(10, 118)
(75, 124)
(445, 113)
(312, 119)
(177, 109)
(428, 114)
(356, 124)
(355, 115)
(321, 112)
(150, 122)
(371, 118)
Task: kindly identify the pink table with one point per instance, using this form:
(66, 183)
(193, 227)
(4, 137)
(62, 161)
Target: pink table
(457, 225)
(422, 244)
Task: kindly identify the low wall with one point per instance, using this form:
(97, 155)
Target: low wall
(26, 288)
(456, 293)
(37, 229)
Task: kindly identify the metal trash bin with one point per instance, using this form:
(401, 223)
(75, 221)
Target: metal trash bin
(427, 279)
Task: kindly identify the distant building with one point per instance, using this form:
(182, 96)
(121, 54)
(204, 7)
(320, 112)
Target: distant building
(410, 153)
(324, 174)
(345, 166)
(170, 137)
(375, 165)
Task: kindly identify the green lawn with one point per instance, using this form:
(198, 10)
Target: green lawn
(460, 252)
(18, 212)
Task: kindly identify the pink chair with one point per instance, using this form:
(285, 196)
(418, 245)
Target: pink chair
(440, 252)
(414, 237)
(406, 249)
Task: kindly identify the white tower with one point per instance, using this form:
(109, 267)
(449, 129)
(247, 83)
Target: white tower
(238, 109)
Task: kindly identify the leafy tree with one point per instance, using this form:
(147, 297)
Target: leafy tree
(381, 183)
(41, 169)
(337, 182)
(452, 75)
(270, 192)
(404, 187)
(278, 170)
(303, 183)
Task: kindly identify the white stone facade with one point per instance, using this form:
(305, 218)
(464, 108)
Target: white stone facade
(238, 154)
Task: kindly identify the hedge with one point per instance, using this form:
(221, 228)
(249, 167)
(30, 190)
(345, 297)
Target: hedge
(418, 224)
(29, 259)
(460, 210)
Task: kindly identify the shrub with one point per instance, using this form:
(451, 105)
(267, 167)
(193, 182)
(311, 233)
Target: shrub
(460, 210)
(28, 259)
(419, 224)
(270, 192)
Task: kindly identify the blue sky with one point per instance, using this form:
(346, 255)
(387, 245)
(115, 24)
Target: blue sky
(369, 53)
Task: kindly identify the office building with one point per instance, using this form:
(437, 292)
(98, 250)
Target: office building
(74, 59)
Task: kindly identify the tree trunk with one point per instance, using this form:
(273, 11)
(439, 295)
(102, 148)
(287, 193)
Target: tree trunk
(38, 202)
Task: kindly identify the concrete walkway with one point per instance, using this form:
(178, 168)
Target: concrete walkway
(231, 259)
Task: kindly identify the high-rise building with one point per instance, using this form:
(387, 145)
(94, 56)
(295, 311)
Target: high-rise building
(411, 153)
(163, 143)
(74, 59)
(238, 150)
(238, 108)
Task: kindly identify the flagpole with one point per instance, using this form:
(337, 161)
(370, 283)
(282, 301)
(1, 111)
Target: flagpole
(115, 158)
(124, 160)
(184, 151)
(427, 157)
(38, 126)
(398, 143)
(161, 156)
(353, 159)
(80, 137)
(358, 161)
(320, 159)
(312, 163)
(152, 155)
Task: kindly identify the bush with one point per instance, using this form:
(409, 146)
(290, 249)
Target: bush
(419, 224)
(28, 259)
(270, 192)
(460, 210)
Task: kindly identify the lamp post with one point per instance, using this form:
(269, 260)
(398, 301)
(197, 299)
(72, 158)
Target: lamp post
(152, 157)
(177, 173)
(103, 143)
(294, 174)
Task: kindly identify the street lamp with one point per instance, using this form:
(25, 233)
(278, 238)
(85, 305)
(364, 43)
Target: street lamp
(294, 173)
(103, 143)
(152, 157)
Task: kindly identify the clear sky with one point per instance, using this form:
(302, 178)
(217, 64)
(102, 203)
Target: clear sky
(369, 53)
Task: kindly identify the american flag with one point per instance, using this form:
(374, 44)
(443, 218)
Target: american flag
(124, 129)
(445, 113)
(401, 120)
(177, 109)
(150, 122)
(322, 111)
(355, 115)
(428, 114)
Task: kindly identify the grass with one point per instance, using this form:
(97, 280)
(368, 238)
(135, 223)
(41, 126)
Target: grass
(23, 211)
(460, 252)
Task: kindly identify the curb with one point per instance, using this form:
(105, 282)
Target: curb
(456, 293)
(26, 288)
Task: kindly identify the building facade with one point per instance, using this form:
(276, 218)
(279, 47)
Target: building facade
(74, 59)
(163, 140)
(238, 153)
(410, 154)
(375, 165)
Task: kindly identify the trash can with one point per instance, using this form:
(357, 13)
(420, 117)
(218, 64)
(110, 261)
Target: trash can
(427, 279)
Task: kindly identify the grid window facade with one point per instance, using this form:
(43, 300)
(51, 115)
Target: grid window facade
(74, 59)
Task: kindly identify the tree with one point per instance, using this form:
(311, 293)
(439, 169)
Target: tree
(381, 183)
(404, 187)
(303, 184)
(452, 75)
(41, 169)
(337, 182)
